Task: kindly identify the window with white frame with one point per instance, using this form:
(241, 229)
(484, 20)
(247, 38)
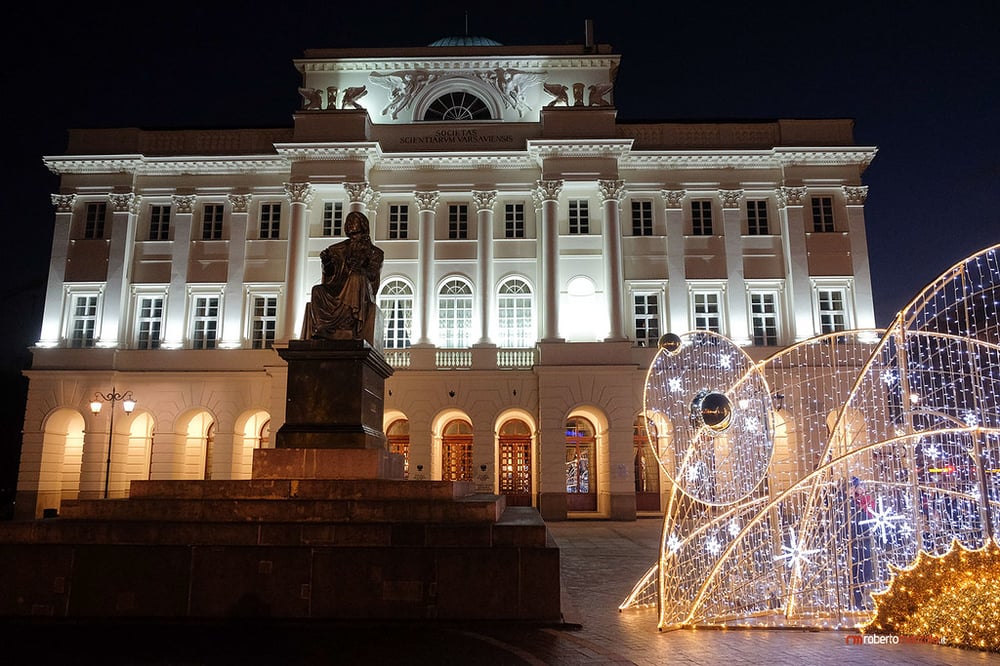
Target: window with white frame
(82, 320)
(270, 221)
(399, 221)
(832, 306)
(764, 318)
(263, 320)
(515, 309)
(642, 218)
(455, 314)
(159, 223)
(579, 216)
(757, 217)
(396, 303)
(458, 221)
(148, 321)
(204, 321)
(646, 317)
(96, 216)
(333, 218)
(822, 212)
(514, 220)
(701, 217)
(706, 311)
(211, 221)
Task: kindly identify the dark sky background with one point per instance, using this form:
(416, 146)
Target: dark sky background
(921, 81)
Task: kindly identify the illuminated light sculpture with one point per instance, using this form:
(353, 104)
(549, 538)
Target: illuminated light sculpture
(883, 445)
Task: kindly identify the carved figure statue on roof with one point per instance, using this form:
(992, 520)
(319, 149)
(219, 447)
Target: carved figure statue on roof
(598, 94)
(559, 92)
(331, 97)
(311, 98)
(351, 97)
(403, 86)
(343, 305)
(513, 84)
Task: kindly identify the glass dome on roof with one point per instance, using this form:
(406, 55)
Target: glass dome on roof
(465, 40)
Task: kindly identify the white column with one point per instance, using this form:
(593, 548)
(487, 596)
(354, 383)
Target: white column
(614, 274)
(426, 205)
(547, 192)
(484, 202)
(678, 320)
(125, 208)
(299, 194)
(52, 316)
(180, 258)
(736, 292)
(232, 311)
(864, 305)
(793, 237)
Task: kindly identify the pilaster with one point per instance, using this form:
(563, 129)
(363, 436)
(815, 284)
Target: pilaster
(736, 293)
(484, 202)
(547, 193)
(793, 235)
(299, 195)
(426, 205)
(678, 320)
(614, 275)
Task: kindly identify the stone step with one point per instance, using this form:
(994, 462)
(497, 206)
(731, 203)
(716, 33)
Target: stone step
(325, 489)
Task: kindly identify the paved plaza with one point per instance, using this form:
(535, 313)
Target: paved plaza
(601, 561)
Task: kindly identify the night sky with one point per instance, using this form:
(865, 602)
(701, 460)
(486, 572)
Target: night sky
(921, 82)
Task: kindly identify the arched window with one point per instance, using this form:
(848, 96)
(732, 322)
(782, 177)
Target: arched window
(457, 105)
(396, 302)
(456, 451)
(398, 434)
(581, 465)
(455, 314)
(516, 306)
(515, 463)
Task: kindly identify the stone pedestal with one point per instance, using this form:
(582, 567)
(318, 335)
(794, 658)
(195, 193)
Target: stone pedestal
(333, 417)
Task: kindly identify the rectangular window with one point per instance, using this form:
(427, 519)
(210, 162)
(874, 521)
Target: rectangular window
(205, 322)
(149, 322)
(646, 313)
(270, 221)
(701, 217)
(458, 221)
(97, 213)
(822, 208)
(579, 216)
(642, 218)
(514, 220)
(399, 218)
(264, 321)
(333, 218)
(832, 310)
(764, 318)
(159, 223)
(757, 218)
(83, 321)
(211, 222)
(707, 314)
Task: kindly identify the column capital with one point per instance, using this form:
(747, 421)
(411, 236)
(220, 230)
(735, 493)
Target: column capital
(426, 200)
(63, 202)
(184, 202)
(790, 196)
(611, 190)
(240, 202)
(484, 199)
(359, 192)
(731, 198)
(124, 202)
(673, 198)
(299, 192)
(548, 190)
(856, 194)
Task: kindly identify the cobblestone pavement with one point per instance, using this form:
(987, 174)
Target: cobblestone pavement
(601, 562)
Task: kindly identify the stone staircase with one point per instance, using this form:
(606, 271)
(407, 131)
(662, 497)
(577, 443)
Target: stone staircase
(284, 548)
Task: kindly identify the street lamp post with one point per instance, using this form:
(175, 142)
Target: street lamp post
(128, 404)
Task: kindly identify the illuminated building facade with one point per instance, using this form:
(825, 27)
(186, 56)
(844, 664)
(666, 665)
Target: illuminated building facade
(536, 248)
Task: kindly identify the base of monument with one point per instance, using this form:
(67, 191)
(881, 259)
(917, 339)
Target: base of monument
(327, 464)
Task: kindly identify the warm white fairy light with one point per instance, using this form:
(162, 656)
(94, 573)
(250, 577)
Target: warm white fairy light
(881, 440)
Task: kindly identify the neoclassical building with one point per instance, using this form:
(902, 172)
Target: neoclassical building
(536, 248)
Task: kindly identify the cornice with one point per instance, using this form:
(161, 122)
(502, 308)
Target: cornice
(457, 65)
(368, 151)
(459, 162)
(141, 165)
(776, 158)
(542, 149)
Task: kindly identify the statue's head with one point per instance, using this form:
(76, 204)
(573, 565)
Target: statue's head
(356, 225)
